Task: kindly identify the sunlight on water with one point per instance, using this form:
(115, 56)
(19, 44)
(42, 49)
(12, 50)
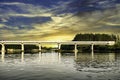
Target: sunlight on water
(60, 66)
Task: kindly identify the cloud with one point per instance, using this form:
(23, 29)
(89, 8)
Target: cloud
(6, 34)
(106, 21)
(110, 24)
(70, 24)
(12, 3)
(30, 15)
(64, 23)
(57, 19)
(23, 9)
(2, 25)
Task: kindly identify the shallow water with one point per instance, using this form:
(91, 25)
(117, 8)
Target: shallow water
(60, 66)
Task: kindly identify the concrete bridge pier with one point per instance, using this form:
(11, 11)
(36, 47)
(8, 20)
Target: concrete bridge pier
(40, 47)
(59, 46)
(22, 47)
(3, 47)
(75, 48)
(2, 51)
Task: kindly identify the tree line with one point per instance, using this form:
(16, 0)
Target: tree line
(95, 37)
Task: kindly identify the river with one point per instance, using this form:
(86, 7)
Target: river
(60, 66)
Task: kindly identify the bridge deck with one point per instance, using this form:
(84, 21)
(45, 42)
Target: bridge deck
(60, 42)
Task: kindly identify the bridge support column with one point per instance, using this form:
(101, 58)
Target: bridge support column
(40, 47)
(22, 47)
(3, 47)
(75, 47)
(59, 46)
(92, 48)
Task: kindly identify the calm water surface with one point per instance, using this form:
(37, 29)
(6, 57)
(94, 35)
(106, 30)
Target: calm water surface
(60, 66)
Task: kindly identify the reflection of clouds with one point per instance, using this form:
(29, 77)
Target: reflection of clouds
(101, 62)
(99, 57)
(3, 56)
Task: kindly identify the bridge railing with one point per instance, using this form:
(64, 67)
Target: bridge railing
(61, 42)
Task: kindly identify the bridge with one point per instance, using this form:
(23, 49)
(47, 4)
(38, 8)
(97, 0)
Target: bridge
(59, 43)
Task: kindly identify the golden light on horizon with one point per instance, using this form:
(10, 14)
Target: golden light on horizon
(59, 38)
(50, 45)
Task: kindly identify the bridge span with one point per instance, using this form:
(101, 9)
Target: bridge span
(59, 43)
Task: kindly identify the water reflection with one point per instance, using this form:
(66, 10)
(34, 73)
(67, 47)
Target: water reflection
(99, 57)
(94, 61)
(60, 66)
(46, 58)
(40, 56)
(76, 55)
(22, 57)
(59, 57)
(2, 56)
(92, 55)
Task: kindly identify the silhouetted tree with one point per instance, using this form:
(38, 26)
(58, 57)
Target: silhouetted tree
(94, 37)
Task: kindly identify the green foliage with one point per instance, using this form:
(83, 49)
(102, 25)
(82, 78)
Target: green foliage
(117, 44)
(95, 37)
(12, 46)
(67, 47)
(27, 47)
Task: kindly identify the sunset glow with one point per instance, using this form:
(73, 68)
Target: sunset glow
(57, 20)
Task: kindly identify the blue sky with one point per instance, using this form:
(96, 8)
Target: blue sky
(57, 19)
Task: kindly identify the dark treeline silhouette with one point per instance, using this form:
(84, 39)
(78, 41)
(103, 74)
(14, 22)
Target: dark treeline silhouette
(19, 47)
(95, 37)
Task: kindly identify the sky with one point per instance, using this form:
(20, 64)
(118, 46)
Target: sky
(57, 20)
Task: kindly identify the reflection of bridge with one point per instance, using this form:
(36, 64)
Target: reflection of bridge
(39, 43)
